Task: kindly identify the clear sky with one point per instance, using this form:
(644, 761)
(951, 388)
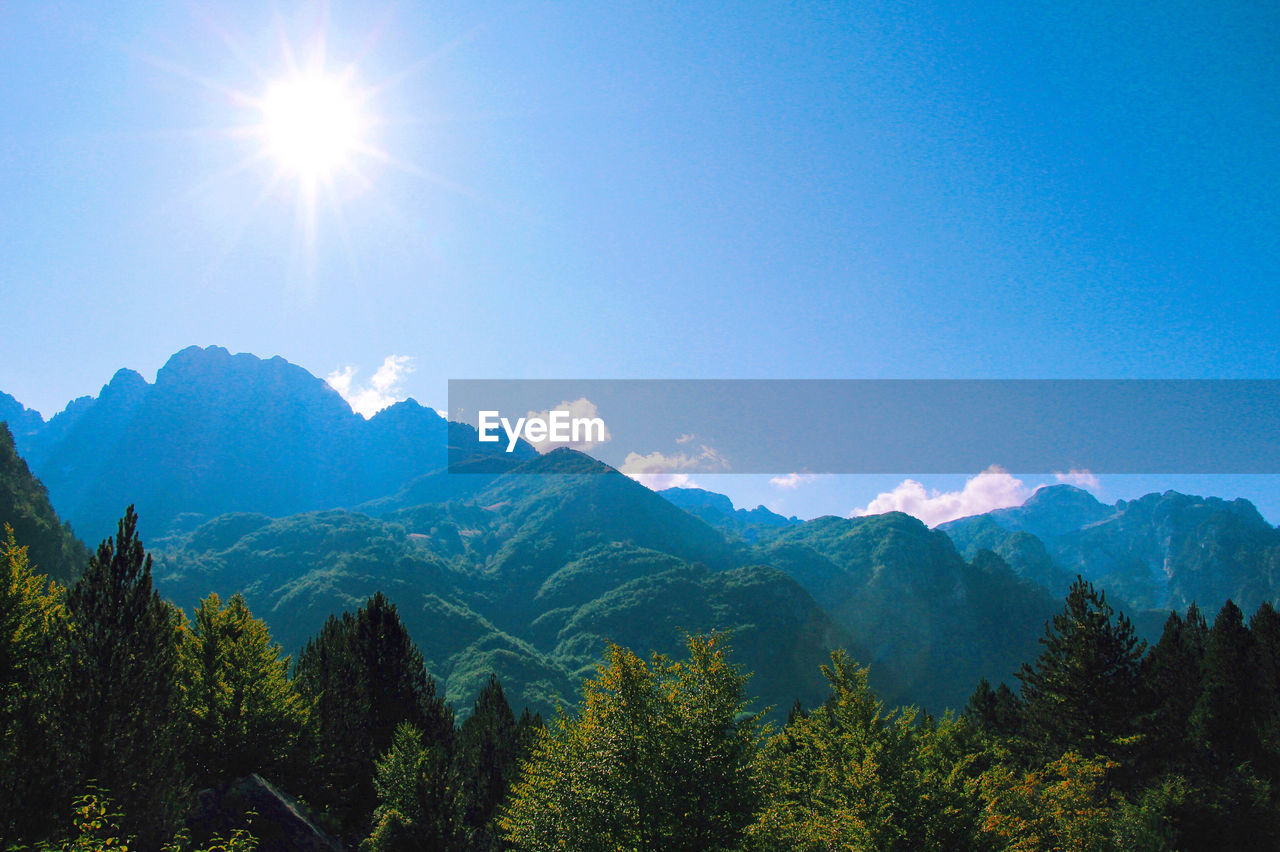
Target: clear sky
(659, 190)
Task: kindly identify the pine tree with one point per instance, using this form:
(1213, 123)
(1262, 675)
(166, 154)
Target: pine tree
(997, 712)
(1225, 717)
(362, 676)
(1171, 672)
(245, 714)
(1265, 628)
(1082, 693)
(488, 750)
(124, 683)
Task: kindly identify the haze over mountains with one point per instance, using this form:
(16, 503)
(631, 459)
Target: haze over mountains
(253, 475)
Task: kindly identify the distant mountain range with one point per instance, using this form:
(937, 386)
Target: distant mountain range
(529, 577)
(221, 433)
(717, 509)
(253, 475)
(1160, 552)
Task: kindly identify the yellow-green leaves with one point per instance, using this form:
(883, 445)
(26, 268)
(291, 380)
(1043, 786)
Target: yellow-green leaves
(246, 715)
(660, 756)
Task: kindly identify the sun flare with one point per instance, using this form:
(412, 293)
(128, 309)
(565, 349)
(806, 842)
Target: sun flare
(312, 125)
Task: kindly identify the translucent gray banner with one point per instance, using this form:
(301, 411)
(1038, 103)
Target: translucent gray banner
(884, 426)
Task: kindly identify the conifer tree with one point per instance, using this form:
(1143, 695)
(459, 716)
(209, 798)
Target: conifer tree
(997, 712)
(1082, 692)
(488, 750)
(853, 774)
(1265, 628)
(1225, 716)
(362, 676)
(1171, 673)
(124, 684)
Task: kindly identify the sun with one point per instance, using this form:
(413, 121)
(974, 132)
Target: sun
(312, 125)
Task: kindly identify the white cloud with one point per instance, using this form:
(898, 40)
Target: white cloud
(686, 438)
(792, 481)
(658, 471)
(994, 488)
(1079, 478)
(580, 407)
(384, 388)
(662, 481)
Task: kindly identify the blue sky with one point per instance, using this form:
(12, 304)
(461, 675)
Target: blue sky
(659, 190)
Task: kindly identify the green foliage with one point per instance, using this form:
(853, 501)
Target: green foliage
(1172, 673)
(660, 756)
(1067, 805)
(96, 826)
(417, 794)
(124, 684)
(1230, 810)
(1104, 749)
(24, 505)
(33, 659)
(491, 745)
(1080, 694)
(245, 714)
(853, 775)
(362, 676)
(997, 712)
(1226, 715)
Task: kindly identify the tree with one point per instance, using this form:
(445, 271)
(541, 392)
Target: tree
(853, 775)
(661, 756)
(362, 676)
(491, 745)
(997, 712)
(124, 684)
(1265, 629)
(245, 714)
(33, 659)
(1171, 672)
(417, 800)
(1066, 805)
(1225, 716)
(1083, 691)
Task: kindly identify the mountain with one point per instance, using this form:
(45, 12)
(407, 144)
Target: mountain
(530, 578)
(717, 510)
(253, 475)
(22, 421)
(534, 573)
(1159, 552)
(24, 505)
(934, 621)
(219, 433)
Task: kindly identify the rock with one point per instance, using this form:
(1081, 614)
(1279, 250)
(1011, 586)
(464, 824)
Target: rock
(279, 822)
